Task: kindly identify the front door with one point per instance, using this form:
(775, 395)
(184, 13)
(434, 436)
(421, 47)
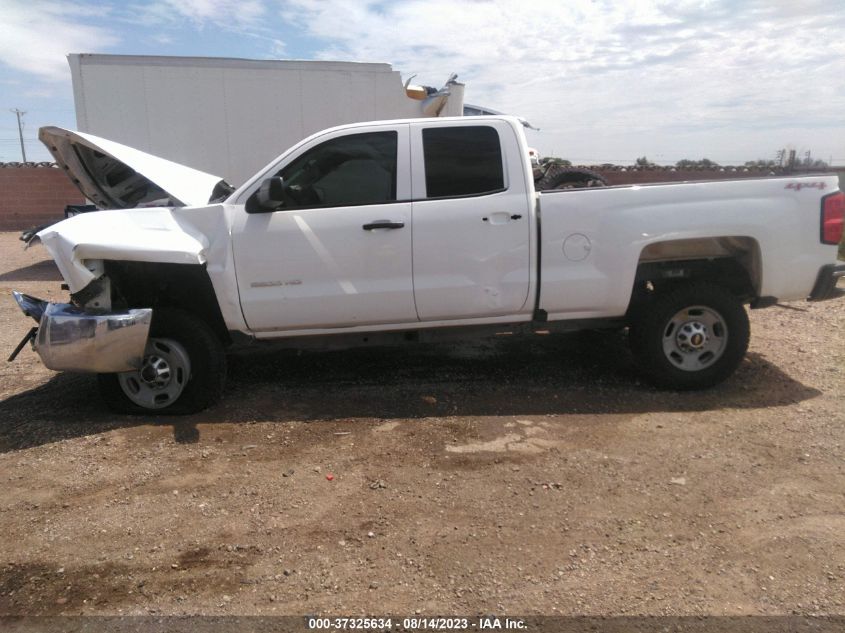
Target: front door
(338, 252)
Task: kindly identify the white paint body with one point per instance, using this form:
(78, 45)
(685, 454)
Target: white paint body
(315, 271)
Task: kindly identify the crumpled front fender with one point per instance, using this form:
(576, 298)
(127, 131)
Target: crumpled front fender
(141, 235)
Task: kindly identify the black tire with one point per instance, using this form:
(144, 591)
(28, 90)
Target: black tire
(204, 384)
(690, 336)
(562, 177)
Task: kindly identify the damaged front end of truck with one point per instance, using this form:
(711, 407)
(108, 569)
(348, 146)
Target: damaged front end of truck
(104, 328)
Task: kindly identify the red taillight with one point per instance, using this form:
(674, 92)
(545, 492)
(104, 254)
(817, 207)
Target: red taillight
(833, 210)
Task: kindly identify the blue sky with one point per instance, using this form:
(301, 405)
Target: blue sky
(605, 81)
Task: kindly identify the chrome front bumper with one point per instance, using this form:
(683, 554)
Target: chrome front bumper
(70, 339)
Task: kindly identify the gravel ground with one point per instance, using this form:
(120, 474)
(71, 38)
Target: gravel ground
(517, 477)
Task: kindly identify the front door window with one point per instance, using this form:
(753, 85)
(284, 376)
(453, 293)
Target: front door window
(350, 170)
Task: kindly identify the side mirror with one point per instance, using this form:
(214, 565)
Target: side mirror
(270, 196)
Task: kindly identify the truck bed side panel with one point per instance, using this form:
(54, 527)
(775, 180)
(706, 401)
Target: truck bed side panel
(592, 238)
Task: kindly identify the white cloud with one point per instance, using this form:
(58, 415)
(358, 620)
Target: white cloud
(228, 14)
(608, 80)
(35, 37)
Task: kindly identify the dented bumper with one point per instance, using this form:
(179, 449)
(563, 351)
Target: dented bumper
(70, 339)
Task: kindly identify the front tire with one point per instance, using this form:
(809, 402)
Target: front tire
(183, 371)
(690, 337)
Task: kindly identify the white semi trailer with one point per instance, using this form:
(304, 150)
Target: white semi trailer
(232, 116)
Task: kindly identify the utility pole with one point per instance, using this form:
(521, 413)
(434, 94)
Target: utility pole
(20, 131)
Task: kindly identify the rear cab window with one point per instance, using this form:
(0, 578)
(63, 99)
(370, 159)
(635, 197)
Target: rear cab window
(462, 161)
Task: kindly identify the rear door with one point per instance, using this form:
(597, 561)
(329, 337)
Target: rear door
(471, 222)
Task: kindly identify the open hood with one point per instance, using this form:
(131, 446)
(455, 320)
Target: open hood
(114, 176)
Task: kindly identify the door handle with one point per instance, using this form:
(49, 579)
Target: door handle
(500, 217)
(383, 224)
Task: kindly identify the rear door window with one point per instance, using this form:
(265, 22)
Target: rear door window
(462, 161)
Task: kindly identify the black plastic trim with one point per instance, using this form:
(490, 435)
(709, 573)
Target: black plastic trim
(825, 287)
(538, 215)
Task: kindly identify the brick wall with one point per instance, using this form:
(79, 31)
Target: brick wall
(30, 196)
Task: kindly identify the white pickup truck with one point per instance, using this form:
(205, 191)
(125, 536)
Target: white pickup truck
(398, 231)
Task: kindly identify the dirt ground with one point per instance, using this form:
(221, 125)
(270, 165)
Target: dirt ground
(514, 477)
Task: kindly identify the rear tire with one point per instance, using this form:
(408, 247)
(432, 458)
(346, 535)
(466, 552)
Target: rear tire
(184, 369)
(690, 337)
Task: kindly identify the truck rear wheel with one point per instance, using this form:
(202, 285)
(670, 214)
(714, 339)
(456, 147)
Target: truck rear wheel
(690, 337)
(183, 371)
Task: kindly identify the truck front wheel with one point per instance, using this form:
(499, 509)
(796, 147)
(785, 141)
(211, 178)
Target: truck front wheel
(183, 370)
(690, 337)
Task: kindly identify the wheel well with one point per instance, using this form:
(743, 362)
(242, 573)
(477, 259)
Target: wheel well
(152, 284)
(731, 262)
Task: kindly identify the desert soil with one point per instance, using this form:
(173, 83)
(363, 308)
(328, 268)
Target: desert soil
(516, 476)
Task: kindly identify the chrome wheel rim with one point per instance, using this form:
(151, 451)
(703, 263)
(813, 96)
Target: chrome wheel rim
(695, 338)
(162, 377)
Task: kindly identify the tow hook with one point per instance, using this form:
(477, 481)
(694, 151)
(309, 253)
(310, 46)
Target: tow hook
(30, 336)
(31, 307)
